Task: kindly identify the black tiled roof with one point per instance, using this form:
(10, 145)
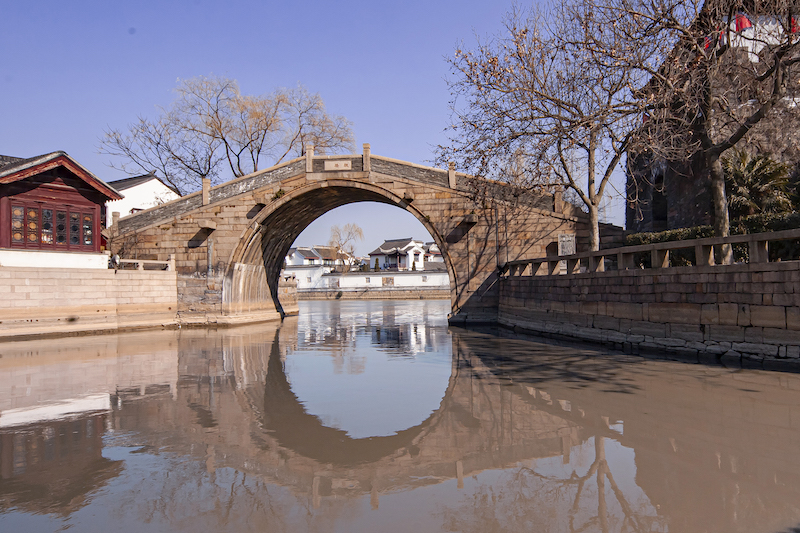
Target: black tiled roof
(127, 183)
(399, 244)
(6, 160)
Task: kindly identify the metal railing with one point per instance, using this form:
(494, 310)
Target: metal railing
(757, 245)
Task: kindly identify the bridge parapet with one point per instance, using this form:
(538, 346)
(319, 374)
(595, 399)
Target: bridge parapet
(701, 252)
(194, 201)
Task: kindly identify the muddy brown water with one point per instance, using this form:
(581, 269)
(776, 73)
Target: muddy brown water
(375, 416)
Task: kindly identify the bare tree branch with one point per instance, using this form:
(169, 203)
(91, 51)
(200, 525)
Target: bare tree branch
(211, 125)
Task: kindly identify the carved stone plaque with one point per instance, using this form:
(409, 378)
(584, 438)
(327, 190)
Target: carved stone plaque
(340, 164)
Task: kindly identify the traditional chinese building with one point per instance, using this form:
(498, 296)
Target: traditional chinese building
(399, 254)
(50, 204)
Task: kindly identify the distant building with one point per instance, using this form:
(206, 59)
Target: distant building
(51, 212)
(309, 264)
(432, 253)
(374, 282)
(302, 256)
(140, 192)
(399, 254)
(321, 267)
(332, 257)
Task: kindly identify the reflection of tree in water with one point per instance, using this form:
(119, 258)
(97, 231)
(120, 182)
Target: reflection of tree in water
(187, 495)
(54, 466)
(527, 500)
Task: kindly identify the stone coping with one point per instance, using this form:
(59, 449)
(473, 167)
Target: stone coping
(757, 243)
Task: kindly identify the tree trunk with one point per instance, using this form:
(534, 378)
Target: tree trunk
(594, 228)
(721, 217)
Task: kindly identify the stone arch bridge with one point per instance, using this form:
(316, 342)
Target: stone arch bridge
(230, 241)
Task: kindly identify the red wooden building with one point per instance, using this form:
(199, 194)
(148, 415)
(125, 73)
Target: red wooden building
(51, 203)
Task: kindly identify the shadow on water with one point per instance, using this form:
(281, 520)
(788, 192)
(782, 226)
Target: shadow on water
(538, 361)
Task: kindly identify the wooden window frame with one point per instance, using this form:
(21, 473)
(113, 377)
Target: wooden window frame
(82, 211)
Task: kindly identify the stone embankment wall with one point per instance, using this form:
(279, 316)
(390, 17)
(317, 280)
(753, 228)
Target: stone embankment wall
(49, 301)
(749, 312)
(374, 294)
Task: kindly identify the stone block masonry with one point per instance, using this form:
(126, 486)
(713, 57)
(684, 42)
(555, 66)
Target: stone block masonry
(230, 245)
(53, 302)
(746, 312)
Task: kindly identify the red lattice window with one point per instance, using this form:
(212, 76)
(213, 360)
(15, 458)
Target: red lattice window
(46, 227)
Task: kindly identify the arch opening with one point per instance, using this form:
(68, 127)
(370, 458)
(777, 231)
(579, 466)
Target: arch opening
(289, 418)
(264, 245)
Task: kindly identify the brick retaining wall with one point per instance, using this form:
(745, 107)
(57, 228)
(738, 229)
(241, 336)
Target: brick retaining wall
(747, 311)
(49, 301)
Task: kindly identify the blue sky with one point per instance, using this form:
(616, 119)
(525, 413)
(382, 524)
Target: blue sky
(72, 69)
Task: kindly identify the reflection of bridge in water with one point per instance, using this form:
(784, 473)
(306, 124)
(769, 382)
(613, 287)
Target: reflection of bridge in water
(233, 407)
(252, 421)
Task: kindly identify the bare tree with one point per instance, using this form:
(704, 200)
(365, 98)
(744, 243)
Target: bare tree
(211, 125)
(534, 108)
(344, 241)
(714, 75)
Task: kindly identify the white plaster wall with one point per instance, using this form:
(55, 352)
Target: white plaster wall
(143, 196)
(433, 280)
(409, 259)
(308, 276)
(295, 260)
(41, 259)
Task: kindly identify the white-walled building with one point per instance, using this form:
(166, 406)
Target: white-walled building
(302, 256)
(140, 192)
(309, 264)
(399, 254)
(432, 253)
(307, 276)
(403, 263)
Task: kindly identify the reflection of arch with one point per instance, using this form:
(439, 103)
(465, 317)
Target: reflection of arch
(267, 240)
(285, 419)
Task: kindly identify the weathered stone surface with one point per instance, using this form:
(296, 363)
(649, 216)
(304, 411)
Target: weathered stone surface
(747, 319)
(44, 301)
(768, 316)
(674, 313)
(752, 348)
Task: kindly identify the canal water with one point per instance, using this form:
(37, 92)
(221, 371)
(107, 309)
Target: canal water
(375, 416)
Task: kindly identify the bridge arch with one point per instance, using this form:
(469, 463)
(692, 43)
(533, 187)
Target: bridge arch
(229, 241)
(277, 225)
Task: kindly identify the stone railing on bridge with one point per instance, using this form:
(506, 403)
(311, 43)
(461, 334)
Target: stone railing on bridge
(310, 164)
(701, 251)
(748, 311)
(147, 264)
